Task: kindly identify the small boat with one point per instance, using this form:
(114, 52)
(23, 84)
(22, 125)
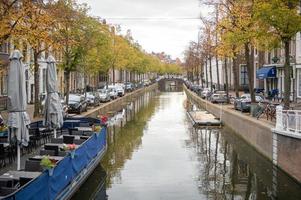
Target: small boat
(87, 146)
(201, 118)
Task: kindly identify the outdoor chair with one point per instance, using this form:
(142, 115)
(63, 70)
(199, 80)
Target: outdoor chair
(88, 133)
(56, 140)
(71, 130)
(84, 137)
(76, 132)
(3, 155)
(7, 182)
(35, 136)
(4, 191)
(53, 148)
(86, 124)
(68, 139)
(79, 141)
(47, 152)
(24, 180)
(33, 166)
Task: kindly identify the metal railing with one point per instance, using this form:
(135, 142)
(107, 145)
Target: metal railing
(288, 122)
(3, 103)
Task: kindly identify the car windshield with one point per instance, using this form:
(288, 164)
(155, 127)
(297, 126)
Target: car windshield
(245, 96)
(74, 98)
(103, 91)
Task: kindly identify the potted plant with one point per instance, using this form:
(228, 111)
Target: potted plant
(48, 164)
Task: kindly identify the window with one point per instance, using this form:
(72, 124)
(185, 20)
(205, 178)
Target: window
(299, 82)
(243, 75)
(44, 80)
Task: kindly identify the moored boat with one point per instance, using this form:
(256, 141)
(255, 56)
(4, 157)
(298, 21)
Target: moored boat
(73, 155)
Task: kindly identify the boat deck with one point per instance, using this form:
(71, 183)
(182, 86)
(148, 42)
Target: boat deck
(203, 118)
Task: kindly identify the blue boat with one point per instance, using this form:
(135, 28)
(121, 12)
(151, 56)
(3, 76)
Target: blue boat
(70, 172)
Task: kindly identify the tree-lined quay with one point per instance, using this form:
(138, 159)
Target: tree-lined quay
(241, 41)
(83, 46)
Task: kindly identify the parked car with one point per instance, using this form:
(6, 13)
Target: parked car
(104, 95)
(129, 87)
(119, 89)
(206, 93)
(93, 99)
(197, 88)
(243, 103)
(113, 93)
(220, 97)
(77, 104)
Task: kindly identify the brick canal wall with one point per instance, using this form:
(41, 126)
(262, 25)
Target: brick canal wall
(285, 152)
(119, 103)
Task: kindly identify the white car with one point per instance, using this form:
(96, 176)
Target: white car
(113, 93)
(119, 90)
(92, 99)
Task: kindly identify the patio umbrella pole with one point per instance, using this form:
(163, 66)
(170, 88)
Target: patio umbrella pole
(54, 133)
(18, 157)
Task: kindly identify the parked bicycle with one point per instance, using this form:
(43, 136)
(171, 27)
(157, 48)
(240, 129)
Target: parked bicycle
(267, 109)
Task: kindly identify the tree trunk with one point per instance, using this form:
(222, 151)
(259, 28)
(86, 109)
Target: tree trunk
(287, 75)
(217, 73)
(207, 83)
(227, 81)
(250, 71)
(113, 69)
(36, 84)
(235, 76)
(67, 85)
(210, 73)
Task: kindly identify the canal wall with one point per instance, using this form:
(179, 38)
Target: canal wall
(119, 103)
(283, 151)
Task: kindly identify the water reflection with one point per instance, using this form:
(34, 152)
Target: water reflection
(155, 153)
(231, 169)
(93, 188)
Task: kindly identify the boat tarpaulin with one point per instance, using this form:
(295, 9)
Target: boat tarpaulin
(49, 186)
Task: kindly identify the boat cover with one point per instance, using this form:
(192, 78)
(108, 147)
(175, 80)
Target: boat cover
(48, 186)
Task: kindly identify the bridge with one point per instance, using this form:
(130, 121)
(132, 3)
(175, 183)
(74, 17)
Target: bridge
(170, 84)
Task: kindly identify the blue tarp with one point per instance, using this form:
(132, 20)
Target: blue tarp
(266, 72)
(47, 187)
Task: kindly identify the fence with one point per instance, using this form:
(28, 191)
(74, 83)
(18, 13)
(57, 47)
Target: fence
(288, 122)
(3, 103)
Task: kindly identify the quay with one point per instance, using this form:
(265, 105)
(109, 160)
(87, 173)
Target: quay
(284, 151)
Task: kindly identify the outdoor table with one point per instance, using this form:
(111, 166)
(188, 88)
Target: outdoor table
(39, 157)
(60, 145)
(84, 129)
(5, 144)
(72, 122)
(17, 174)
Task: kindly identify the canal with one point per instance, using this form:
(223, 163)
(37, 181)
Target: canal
(155, 153)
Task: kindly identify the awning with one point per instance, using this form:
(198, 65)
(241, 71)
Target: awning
(266, 72)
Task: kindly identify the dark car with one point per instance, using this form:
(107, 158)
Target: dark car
(77, 104)
(243, 103)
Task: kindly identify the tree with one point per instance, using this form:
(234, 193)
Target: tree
(10, 16)
(36, 30)
(70, 17)
(282, 19)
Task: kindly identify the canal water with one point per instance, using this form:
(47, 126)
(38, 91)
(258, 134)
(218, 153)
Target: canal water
(154, 153)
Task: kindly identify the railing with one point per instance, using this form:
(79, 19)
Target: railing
(288, 122)
(3, 103)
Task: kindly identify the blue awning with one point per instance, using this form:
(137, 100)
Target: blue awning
(266, 72)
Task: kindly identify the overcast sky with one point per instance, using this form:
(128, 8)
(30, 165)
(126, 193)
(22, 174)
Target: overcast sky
(170, 34)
